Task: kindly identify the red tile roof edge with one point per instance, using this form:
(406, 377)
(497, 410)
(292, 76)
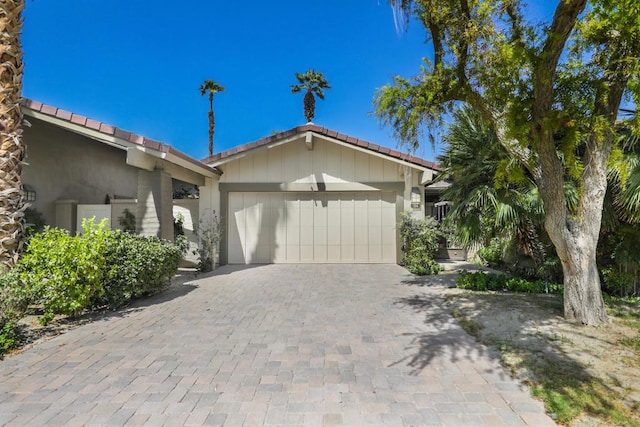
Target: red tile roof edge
(327, 132)
(108, 129)
(143, 141)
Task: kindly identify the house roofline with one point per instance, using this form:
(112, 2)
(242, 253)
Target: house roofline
(228, 155)
(112, 135)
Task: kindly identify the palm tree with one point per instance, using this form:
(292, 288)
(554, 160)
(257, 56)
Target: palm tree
(11, 147)
(492, 196)
(313, 82)
(212, 88)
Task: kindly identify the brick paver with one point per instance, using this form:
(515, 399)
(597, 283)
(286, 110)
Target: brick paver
(273, 345)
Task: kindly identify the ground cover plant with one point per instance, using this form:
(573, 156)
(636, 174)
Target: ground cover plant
(480, 281)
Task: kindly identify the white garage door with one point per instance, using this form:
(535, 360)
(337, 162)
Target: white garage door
(312, 227)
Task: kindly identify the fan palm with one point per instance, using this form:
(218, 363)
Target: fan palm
(491, 194)
(624, 177)
(211, 87)
(11, 147)
(314, 83)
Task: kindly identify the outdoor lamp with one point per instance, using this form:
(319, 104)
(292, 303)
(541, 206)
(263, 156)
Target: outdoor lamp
(29, 193)
(415, 198)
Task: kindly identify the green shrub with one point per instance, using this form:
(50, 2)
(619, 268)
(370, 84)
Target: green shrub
(424, 267)
(136, 266)
(66, 274)
(493, 253)
(419, 243)
(13, 298)
(63, 273)
(9, 337)
(13, 303)
(479, 281)
(209, 232)
(618, 282)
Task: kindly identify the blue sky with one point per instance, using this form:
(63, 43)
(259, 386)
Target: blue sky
(138, 65)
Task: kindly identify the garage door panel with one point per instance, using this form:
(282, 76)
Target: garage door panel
(306, 253)
(311, 227)
(306, 235)
(388, 251)
(293, 234)
(333, 226)
(320, 235)
(347, 253)
(334, 253)
(374, 216)
(375, 253)
(361, 253)
(320, 253)
(375, 236)
(320, 211)
(347, 233)
(293, 253)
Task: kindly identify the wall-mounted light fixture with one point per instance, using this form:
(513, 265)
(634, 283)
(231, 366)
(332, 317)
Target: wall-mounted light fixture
(29, 193)
(416, 197)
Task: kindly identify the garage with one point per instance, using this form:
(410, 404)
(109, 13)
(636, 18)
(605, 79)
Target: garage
(313, 195)
(311, 227)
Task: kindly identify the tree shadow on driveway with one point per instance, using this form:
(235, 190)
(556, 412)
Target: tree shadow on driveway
(442, 340)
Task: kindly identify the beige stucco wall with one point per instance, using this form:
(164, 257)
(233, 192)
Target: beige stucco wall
(189, 210)
(327, 162)
(65, 165)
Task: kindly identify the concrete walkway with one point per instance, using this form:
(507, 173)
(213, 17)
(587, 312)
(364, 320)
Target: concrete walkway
(276, 345)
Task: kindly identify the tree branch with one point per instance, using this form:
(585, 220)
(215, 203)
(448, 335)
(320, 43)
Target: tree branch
(564, 20)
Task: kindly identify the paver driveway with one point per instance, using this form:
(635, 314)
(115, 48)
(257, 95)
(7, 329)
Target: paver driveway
(270, 345)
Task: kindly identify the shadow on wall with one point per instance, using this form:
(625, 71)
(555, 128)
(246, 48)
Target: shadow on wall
(266, 244)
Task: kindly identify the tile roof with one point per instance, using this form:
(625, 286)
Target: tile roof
(110, 130)
(143, 141)
(327, 132)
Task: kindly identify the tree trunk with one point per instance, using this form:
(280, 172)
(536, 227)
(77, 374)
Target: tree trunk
(11, 147)
(309, 103)
(575, 236)
(583, 300)
(211, 126)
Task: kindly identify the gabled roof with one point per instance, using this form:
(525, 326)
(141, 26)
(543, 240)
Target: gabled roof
(33, 108)
(299, 130)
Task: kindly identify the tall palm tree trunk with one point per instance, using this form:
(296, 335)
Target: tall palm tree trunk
(309, 103)
(11, 147)
(211, 126)
(212, 123)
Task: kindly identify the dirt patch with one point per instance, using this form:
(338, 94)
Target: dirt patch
(540, 347)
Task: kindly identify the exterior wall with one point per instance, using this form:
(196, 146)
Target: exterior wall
(118, 207)
(154, 216)
(65, 165)
(328, 167)
(98, 212)
(327, 163)
(190, 211)
(412, 181)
